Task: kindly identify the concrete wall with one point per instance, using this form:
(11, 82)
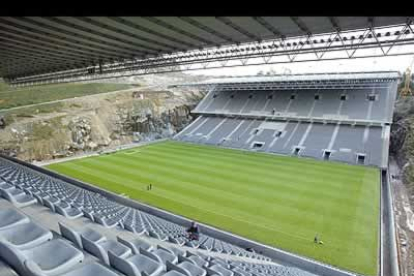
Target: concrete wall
(280, 256)
(389, 256)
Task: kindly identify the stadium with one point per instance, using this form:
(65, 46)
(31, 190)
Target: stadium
(286, 174)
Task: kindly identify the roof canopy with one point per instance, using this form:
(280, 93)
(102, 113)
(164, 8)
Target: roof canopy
(37, 45)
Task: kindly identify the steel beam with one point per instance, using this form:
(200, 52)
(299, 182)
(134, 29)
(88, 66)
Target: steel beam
(150, 31)
(207, 29)
(175, 29)
(232, 25)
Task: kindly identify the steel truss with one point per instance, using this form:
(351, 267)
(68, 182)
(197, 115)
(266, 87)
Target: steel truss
(345, 44)
(294, 82)
(292, 85)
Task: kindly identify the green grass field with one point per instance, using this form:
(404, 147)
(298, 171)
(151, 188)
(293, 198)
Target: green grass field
(277, 200)
(13, 97)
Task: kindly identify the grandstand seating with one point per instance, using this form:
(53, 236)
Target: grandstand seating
(346, 104)
(312, 139)
(349, 123)
(86, 252)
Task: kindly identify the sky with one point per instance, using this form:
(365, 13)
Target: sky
(396, 63)
(393, 63)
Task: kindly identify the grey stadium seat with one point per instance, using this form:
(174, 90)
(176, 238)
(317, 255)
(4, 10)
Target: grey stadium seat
(220, 262)
(136, 244)
(173, 273)
(88, 214)
(241, 271)
(39, 196)
(197, 260)
(11, 217)
(50, 258)
(75, 235)
(70, 212)
(135, 265)
(5, 186)
(179, 241)
(137, 229)
(108, 223)
(187, 268)
(91, 269)
(25, 235)
(50, 204)
(164, 255)
(93, 235)
(159, 236)
(219, 270)
(18, 197)
(178, 251)
(200, 255)
(100, 249)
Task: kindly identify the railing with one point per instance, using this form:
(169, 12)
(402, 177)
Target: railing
(285, 117)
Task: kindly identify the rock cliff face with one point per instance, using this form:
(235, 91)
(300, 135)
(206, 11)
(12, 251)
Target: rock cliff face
(402, 150)
(81, 133)
(402, 140)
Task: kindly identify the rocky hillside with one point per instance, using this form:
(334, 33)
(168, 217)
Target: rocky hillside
(402, 140)
(97, 122)
(402, 151)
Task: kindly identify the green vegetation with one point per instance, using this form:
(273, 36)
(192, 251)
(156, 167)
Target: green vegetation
(402, 83)
(3, 86)
(13, 97)
(30, 111)
(277, 200)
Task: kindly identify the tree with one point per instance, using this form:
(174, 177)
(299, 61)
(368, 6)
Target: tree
(272, 72)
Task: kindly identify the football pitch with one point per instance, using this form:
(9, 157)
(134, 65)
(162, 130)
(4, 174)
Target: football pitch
(276, 200)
